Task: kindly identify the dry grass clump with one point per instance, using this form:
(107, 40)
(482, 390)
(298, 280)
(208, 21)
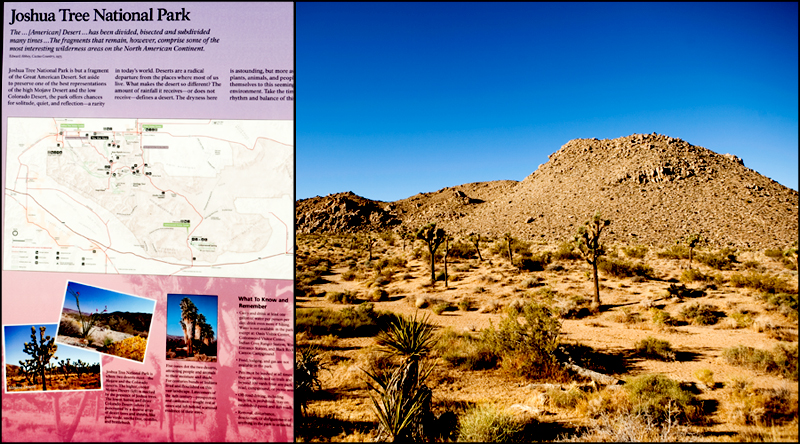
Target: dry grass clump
(627, 316)
(635, 251)
(653, 348)
(706, 377)
(623, 268)
(656, 398)
(565, 399)
(661, 318)
(489, 423)
(360, 320)
(630, 427)
(765, 282)
(748, 405)
(377, 294)
(694, 274)
(782, 360)
(441, 307)
(700, 314)
(741, 318)
(465, 351)
(574, 307)
(342, 297)
(783, 303)
(721, 260)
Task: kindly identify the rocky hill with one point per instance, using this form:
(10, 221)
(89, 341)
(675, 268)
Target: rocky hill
(654, 188)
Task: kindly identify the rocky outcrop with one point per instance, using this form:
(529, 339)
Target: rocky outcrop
(654, 188)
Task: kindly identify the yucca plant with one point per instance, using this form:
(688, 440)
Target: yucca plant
(306, 374)
(407, 336)
(401, 399)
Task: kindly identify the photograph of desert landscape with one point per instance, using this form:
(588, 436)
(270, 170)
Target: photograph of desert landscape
(547, 222)
(120, 328)
(32, 364)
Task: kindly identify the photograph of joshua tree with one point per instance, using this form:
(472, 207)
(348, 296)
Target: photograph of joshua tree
(191, 323)
(106, 321)
(34, 362)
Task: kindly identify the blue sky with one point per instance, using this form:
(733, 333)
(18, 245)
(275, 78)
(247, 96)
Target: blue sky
(15, 337)
(206, 305)
(95, 298)
(401, 98)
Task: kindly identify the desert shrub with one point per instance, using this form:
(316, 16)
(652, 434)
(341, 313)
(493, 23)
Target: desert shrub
(341, 297)
(674, 252)
(635, 251)
(784, 303)
(765, 282)
(565, 399)
(464, 351)
(659, 397)
(441, 307)
(623, 268)
(464, 304)
(131, 348)
(531, 282)
(626, 316)
(749, 405)
(705, 376)
(720, 260)
(700, 314)
(377, 294)
(535, 262)
(518, 248)
(397, 262)
(681, 291)
(68, 328)
(387, 237)
(782, 360)
(693, 274)
(743, 318)
(653, 348)
(659, 400)
(349, 275)
(774, 253)
(309, 278)
(661, 318)
(566, 252)
(785, 357)
(526, 348)
(462, 250)
(574, 307)
(358, 321)
(487, 423)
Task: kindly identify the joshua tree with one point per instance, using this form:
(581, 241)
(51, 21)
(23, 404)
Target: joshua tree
(446, 252)
(475, 238)
(509, 239)
(587, 241)
(433, 237)
(692, 241)
(188, 321)
(41, 351)
(370, 240)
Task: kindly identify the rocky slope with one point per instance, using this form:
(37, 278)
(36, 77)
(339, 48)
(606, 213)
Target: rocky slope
(654, 188)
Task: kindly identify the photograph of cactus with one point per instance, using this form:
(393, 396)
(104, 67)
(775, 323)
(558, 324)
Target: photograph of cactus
(34, 362)
(106, 321)
(191, 327)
